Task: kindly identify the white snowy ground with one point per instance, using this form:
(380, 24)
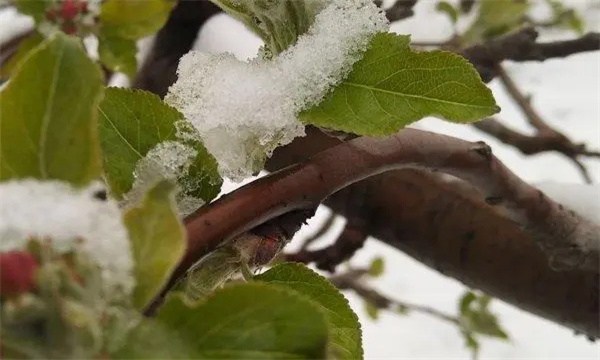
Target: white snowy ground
(566, 93)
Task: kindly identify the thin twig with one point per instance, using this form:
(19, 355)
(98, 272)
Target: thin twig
(326, 226)
(522, 46)
(399, 10)
(351, 281)
(546, 138)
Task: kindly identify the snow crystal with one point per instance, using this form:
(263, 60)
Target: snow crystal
(168, 160)
(244, 110)
(56, 210)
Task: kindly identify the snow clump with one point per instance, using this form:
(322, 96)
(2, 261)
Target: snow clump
(72, 219)
(244, 110)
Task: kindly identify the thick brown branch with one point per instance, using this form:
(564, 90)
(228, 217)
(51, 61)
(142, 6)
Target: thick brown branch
(448, 228)
(570, 240)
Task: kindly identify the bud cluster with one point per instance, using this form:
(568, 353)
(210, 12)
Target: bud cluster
(74, 17)
(52, 305)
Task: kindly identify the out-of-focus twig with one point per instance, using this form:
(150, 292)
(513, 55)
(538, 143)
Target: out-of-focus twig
(350, 280)
(546, 139)
(522, 46)
(399, 10)
(325, 227)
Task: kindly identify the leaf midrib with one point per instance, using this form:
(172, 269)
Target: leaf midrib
(420, 97)
(120, 134)
(47, 114)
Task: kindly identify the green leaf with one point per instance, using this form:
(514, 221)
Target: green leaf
(448, 9)
(28, 44)
(563, 17)
(36, 9)
(132, 122)
(377, 267)
(117, 54)
(152, 340)
(393, 86)
(134, 19)
(249, 321)
(278, 23)
(344, 327)
(485, 323)
(157, 239)
(476, 317)
(465, 302)
(496, 17)
(48, 117)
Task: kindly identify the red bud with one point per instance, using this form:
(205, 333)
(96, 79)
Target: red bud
(69, 9)
(17, 272)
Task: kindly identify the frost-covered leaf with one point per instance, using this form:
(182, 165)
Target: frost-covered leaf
(345, 332)
(157, 240)
(377, 267)
(28, 44)
(134, 123)
(134, 19)
(249, 321)
(48, 117)
(278, 23)
(393, 86)
(496, 17)
(117, 53)
(447, 8)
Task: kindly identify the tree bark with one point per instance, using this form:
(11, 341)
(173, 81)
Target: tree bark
(462, 237)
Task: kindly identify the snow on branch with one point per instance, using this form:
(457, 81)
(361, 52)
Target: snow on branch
(244, 110)
(72, 219)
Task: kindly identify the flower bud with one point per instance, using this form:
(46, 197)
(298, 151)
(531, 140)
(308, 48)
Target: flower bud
(17, 272)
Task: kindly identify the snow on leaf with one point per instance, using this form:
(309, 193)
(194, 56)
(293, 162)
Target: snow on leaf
(244, 110)
(393, 86)
(169, 160)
